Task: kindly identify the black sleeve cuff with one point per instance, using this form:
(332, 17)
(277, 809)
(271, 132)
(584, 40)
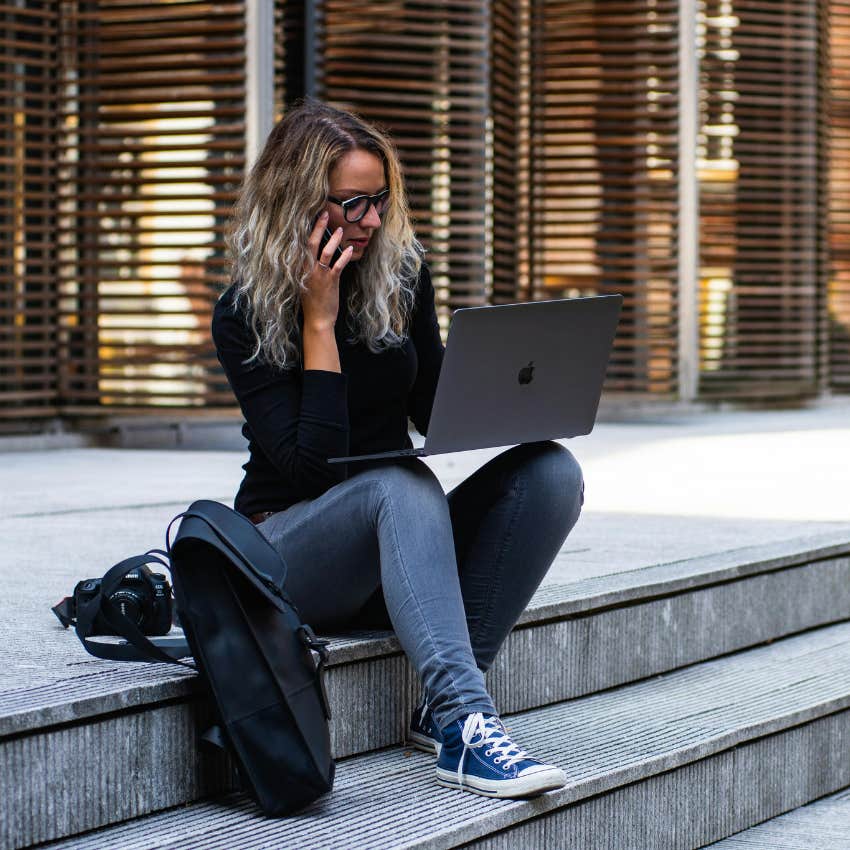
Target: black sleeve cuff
(324, 397)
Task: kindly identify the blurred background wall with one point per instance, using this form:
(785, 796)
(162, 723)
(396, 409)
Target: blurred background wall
(693, 155)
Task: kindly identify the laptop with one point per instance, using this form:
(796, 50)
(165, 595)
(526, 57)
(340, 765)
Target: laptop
(518, 373)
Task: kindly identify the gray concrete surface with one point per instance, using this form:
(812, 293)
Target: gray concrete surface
(720, 501)
(823, 825)
(675, 490)
(746, 736)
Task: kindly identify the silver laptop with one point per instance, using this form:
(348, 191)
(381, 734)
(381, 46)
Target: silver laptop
(518, 373)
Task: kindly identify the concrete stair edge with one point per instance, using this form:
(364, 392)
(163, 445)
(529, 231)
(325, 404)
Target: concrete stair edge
(545, 664)
(791, 696)
(824, 824)
(626, 586)
(118, 687)
(558, 659)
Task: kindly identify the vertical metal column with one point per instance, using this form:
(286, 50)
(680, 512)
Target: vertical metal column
(259, 73)
(310, 47)
(688, 235)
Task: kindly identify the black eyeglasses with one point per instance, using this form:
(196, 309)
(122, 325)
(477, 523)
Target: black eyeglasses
(353, 209)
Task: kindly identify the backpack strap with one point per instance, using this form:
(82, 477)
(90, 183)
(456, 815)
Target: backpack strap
(320, 647)
(138, 646)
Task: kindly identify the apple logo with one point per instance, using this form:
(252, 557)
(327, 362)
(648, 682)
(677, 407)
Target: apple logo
(526, 374)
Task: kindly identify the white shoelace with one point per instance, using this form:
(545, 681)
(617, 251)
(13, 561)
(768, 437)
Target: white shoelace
(479, 731)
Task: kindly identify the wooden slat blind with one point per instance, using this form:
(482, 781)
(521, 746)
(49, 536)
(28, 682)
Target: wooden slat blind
(759, 198)
(604, 159)
(839, 197)
(28, 297)
(420, 70)
(539, 141)
(151, 155)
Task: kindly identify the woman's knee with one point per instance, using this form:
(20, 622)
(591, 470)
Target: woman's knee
(567, 468)
(554, 474)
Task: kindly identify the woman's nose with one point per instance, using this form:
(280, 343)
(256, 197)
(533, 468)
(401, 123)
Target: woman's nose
(371, 219)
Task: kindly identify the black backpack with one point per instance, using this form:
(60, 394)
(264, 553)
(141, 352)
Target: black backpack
(260, 664)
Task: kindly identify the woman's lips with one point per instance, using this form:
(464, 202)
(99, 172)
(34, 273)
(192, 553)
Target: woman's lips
(359, 243)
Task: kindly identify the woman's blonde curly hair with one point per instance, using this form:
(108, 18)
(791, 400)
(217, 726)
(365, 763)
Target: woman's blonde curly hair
(274, 216)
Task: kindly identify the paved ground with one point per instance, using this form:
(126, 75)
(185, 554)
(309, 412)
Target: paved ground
(657, 492)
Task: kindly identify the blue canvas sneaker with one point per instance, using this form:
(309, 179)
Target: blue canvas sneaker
(424, 734)
(478, 755)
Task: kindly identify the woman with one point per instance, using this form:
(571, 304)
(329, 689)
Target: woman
(329, 356)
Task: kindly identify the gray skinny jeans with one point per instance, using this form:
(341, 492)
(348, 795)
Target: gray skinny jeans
(454, 572)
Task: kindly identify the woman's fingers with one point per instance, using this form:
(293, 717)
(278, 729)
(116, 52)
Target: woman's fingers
(325, 258)
(328, 251)
(342, 262)
(318, 230)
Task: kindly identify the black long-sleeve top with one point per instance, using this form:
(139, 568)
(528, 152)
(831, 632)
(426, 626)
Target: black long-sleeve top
(295, 419)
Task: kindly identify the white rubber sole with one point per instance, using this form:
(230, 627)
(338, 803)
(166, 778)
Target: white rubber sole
(535, 781)
(423, 743)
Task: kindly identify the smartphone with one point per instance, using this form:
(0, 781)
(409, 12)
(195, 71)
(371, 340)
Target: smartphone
(325, 238)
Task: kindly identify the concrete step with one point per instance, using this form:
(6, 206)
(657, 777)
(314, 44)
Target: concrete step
(110, 724)
(679, 760)
(824, 825)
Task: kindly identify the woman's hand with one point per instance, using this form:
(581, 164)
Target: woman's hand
(320, 302)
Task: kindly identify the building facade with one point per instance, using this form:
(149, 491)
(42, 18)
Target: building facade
(692, 155)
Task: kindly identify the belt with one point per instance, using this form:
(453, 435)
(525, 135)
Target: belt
(260, 517)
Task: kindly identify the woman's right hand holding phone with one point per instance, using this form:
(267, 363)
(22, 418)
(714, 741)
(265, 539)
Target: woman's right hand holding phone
(320, 302)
